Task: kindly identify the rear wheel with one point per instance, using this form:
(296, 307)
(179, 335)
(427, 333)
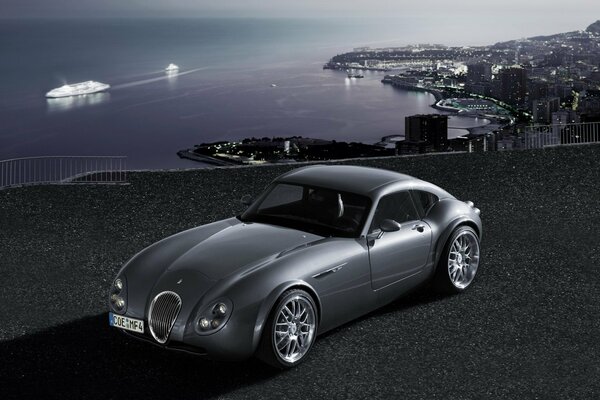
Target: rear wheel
(290, 330)
(458, 264)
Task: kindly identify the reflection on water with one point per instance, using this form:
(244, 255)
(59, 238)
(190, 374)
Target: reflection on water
(454, 133)
(73, 102)
(172, 78)
(464, 122)
(350, 82)
(167, 76)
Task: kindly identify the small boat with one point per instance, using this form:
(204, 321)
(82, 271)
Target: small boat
(172, 68)
(273, 85)
(358, 76)
(76, 89)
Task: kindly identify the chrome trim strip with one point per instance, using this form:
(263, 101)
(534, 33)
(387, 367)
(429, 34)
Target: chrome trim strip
(330, 270)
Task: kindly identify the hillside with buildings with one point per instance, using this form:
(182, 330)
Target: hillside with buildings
(542, 80)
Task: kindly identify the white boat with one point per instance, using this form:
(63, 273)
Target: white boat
(77, 89)
(172, 68)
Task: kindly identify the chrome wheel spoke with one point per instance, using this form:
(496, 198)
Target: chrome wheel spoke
(302, 313)
(294, 328)
(304, 317)
(283, 343)
(463, 259)
(289, 315)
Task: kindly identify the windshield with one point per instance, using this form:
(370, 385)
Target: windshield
(321, 211)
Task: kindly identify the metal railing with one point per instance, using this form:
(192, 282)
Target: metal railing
(63, 170)
(539, 136)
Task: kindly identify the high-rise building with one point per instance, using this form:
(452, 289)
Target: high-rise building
(561, 90)
(562, 131)
(538, 89)
(425, 132)
(563, 117)
(512, 85)
(479, 77)
(589, 106)
(479, 73)
(543, 109)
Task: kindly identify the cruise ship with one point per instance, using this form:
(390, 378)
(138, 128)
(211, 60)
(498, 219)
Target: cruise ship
(77, 89)
(172, 68)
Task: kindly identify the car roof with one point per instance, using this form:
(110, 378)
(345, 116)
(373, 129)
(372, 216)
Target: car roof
(345, 178)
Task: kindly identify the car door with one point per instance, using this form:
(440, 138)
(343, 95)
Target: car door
(398, 255)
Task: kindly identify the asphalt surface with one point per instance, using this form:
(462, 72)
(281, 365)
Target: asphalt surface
(527, 328)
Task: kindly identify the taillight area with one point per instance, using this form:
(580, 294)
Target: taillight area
(472, 205)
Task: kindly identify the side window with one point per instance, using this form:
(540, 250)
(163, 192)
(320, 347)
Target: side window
(424, 200)
(397, 206)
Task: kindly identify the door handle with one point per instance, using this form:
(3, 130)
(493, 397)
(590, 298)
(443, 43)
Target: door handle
(418, 227)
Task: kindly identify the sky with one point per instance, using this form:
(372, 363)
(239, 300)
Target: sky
(459, 18)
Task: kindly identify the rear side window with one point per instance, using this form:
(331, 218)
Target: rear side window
(424, 200)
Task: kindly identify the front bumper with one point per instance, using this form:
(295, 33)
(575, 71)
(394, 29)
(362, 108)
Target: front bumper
(234, 342)
(198, 351)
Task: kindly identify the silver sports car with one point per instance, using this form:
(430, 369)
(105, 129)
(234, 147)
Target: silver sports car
(321, 246)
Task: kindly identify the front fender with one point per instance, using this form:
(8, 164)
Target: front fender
(270, 301)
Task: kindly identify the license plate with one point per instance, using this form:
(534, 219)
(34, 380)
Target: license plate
(130, 324)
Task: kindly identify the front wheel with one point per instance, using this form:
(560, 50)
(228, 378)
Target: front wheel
(458, 264)
(290, 330)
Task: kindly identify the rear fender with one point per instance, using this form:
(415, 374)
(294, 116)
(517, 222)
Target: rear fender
(444, 218)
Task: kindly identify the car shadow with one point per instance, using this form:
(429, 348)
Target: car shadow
(88, 359)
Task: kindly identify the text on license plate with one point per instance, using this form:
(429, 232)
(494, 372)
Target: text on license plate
(130, 324)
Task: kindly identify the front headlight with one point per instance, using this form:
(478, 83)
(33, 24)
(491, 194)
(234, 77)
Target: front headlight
(214, 317)
(118, 295)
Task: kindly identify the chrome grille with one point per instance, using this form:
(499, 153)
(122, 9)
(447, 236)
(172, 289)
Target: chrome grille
(163, 312)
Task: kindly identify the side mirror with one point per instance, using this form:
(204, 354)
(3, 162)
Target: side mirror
(247, 200)
(389, 225)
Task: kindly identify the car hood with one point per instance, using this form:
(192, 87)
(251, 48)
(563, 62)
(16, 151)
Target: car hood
(237, 245)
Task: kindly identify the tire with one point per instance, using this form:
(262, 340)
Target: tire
(290, 331)
(459, 262)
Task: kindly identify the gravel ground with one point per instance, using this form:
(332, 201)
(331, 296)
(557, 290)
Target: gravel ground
(528, 328)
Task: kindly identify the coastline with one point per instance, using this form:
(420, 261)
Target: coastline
(494, 122)
(190, 155)
(410, 87)
(489, 124)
